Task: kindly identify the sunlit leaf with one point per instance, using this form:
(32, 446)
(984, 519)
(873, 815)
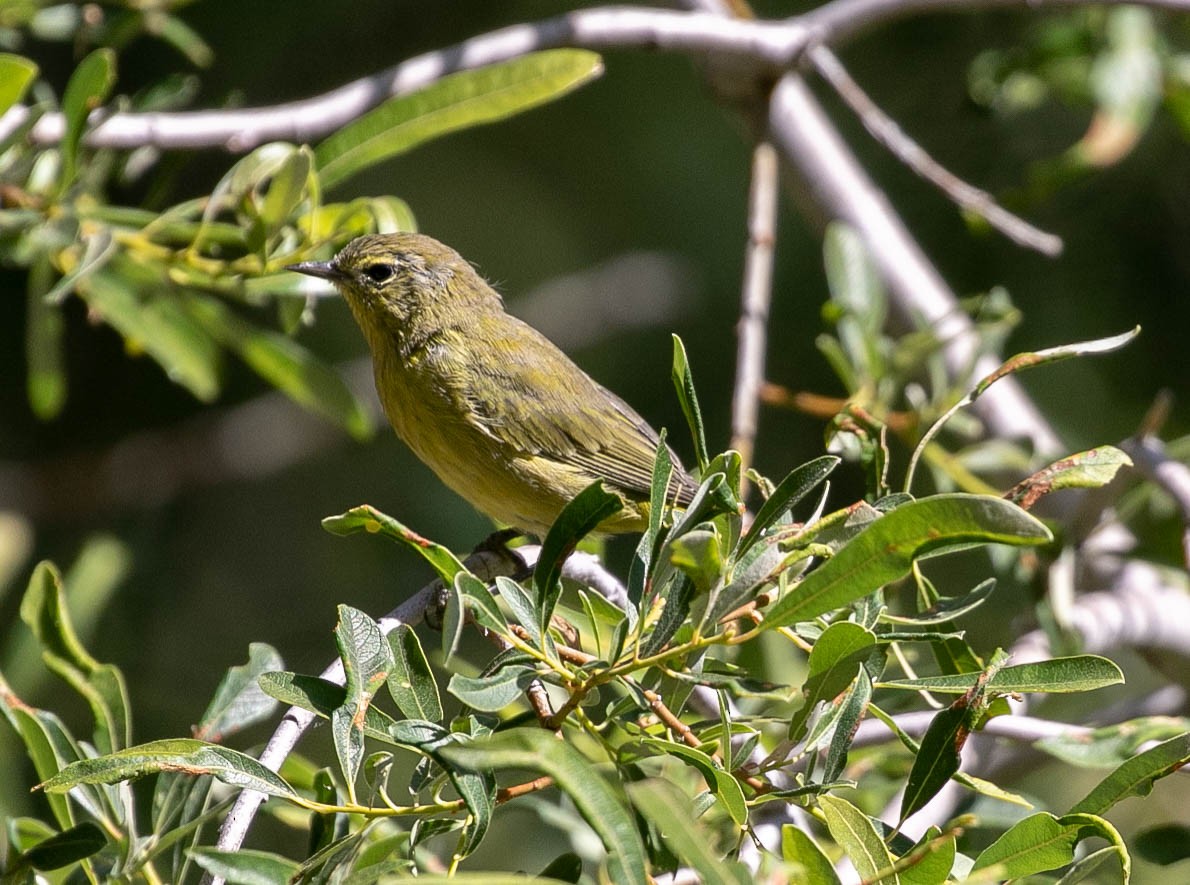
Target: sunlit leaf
(454, 102)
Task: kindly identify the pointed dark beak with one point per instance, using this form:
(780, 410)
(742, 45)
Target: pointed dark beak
(325, 270)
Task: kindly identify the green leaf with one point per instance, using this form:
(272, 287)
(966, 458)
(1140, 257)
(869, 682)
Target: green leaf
(854, 832)
(688, 399)
(932, 859)
(411, 683)
(239, 700)
(1086, 470)
(600, 805)
(88, 88)
(524, 611)
(246, 866)
(159, 326)
(65, 848)
(699, 554)
(947, 608)
(809, 862)
(725, 787)
(452, 103)
(659, 801)
(799, 483)
(578, 519)
(323, 698)
(937, 758)
(16, 73)
(368, 519)
(44, 326)
(43, 608)
(187, 755)
(285, 364)
(286, 189)
(851, 713)
(480, 603)
(834, 662)
(1112, 745)
(886, 549)
(1044, 842)
(367, 662)
(1055, 676)
(491, 694)
(1136, 776)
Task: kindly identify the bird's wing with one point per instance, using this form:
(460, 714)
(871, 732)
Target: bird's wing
(536, 400)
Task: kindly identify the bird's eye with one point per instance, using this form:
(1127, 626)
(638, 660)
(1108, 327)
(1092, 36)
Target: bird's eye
(379, 273)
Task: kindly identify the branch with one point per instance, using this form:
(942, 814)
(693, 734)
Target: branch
(762, 45)
(763, 48)
(885, 130)
(755, 299)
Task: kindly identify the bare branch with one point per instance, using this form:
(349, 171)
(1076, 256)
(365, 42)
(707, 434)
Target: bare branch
(885, 130)
(755, 299)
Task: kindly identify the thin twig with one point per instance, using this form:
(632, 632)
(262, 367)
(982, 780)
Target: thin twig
(756, 296)
(885, 130)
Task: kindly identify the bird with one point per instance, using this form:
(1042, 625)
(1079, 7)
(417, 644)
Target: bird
(492, 406)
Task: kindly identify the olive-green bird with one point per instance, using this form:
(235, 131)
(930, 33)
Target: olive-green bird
(488, 402)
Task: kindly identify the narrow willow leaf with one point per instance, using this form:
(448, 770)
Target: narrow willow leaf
(246, 866)
(792, 489)
(454, 102)
(578, 519)
(323, 698)
(88, 88)
(931, 859)
(656, 800)
(600, 805)
(854, 832)
(834, 662)
(239, 700)
(16, 75)
(885, 550)
(1086, 470)
(1112, 745)
(159, 326)
(367, 663)
(1055, 676)
(46, 376)
(366, 518)
(524, 609)
(1136, 776)
(688, 399)
(937, 758)
(802, 852)
(285, 364)
(851, 713)
(480, 603)
(1044, 842)
(411, 683)
(491, 694)
(948, 608)
(1015, 364)
(62, 849)
(287, 188)
(721, 783)
(43, 608)
(699, 554)
(176, 754)
(646, 558)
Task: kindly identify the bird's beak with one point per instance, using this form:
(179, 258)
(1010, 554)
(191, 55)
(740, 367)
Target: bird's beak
(326, 270)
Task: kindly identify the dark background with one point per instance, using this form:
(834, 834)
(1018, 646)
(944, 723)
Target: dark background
(640, 160)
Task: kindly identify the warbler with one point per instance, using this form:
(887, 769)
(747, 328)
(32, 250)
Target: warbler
(494, 408)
